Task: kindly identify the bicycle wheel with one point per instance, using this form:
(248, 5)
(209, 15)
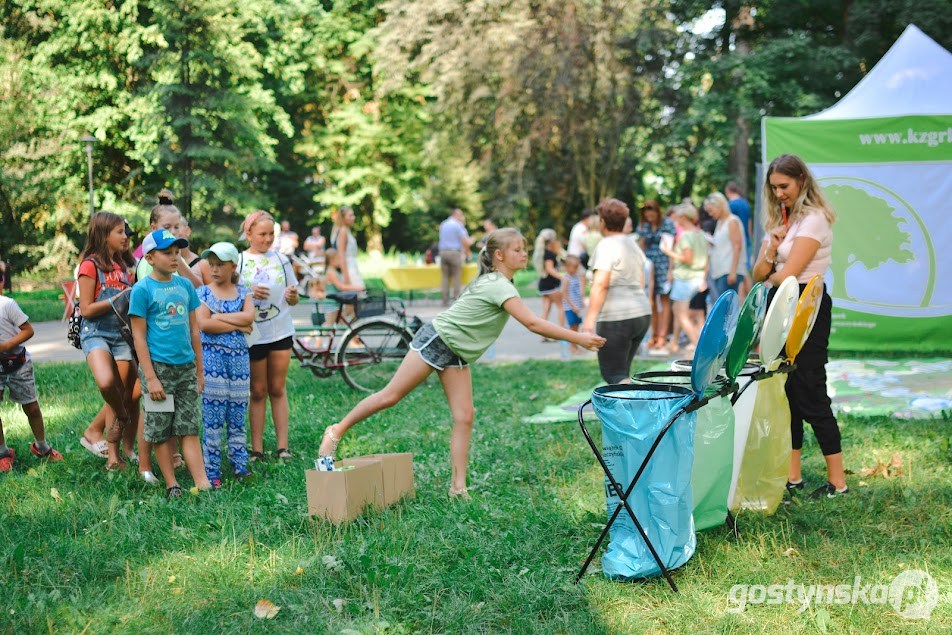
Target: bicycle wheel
(371, 354)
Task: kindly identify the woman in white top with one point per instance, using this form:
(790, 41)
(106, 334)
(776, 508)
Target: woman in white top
(343, 239)
(799, 242)
(271, 279)
(728, 253)
(618, 307)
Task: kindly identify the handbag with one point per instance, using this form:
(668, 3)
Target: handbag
(74, 326)
(11, 362)
(120, 306)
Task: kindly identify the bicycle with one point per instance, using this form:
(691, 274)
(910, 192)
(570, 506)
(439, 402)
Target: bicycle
(373, 340)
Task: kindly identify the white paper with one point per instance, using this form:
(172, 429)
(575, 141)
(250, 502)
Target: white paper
(253, 337)
(151, 405)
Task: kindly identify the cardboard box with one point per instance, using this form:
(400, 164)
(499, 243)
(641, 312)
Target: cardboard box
(342, 495)
(397, 475)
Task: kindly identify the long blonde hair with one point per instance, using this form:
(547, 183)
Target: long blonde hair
(538, 250)
(809, 201)
(498, 239)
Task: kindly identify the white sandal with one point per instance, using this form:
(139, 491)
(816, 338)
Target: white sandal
(462, 493)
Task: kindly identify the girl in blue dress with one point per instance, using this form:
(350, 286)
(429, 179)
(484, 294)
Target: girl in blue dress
(224, 318)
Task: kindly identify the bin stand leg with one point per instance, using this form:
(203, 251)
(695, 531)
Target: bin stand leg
(732, 524)
(623, 496)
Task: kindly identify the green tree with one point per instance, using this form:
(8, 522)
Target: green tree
(870, 234)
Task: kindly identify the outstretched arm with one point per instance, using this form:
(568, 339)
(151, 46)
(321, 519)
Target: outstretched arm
(518, 309)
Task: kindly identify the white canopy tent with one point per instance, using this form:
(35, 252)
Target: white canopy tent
(883, 155)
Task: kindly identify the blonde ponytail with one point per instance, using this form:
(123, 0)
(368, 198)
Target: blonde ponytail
(538, 251)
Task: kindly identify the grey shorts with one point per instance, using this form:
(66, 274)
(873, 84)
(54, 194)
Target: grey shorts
(111, 342)
(181, 381)
(434, 350)
(20, 383)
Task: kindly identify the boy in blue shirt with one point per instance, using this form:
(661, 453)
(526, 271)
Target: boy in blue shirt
(162, 310)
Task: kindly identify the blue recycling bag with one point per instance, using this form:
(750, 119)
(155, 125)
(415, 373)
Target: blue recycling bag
(632, 417)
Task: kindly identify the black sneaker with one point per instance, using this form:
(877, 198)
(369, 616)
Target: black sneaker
(793, 487)
(173, 492)
(829, 491)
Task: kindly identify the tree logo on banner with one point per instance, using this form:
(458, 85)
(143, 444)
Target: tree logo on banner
(882, 256)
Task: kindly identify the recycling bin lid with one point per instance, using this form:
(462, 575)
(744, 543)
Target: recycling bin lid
(714, 342)
(749, 321)
(777, 321)
(804, 317)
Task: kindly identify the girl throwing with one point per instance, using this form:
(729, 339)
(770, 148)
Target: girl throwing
(456, 338)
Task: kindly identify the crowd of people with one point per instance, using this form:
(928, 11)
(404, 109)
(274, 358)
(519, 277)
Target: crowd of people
(203, 342)
(657, 274)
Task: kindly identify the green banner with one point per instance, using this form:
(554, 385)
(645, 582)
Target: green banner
(861, 331)
(881, 140)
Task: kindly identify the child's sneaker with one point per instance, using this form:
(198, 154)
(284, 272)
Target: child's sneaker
(829, 491)
(216, 483)
(173, 492)
(149, 477)
(51, 455)
(6, 461)
(242, 474)
(324, 464)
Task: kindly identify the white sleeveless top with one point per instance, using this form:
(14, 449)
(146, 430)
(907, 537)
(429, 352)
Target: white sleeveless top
(722, 253)
(350, 257)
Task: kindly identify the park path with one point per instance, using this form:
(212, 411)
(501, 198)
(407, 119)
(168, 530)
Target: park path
(515, 344)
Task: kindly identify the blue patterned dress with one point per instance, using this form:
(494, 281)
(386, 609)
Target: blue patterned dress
(652, 238)
(227, 385)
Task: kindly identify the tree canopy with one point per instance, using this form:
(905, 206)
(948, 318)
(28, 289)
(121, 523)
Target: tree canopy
(526, 111)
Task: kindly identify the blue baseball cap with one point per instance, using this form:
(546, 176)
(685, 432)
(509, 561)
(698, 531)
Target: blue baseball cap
(162, 239)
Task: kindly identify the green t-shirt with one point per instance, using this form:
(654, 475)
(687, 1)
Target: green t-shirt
(693, 270)
(477, 318)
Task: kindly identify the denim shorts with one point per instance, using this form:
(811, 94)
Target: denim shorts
(572, 318)
(106, 341)
(684, 290)
(434, 350)
(20, 383)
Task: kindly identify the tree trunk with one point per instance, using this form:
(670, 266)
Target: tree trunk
(738, 161)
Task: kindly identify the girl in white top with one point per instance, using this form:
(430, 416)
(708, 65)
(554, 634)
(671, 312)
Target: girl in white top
(728, 253)
(343, 239)
(799, 242)
(271, 279)
(455, 338)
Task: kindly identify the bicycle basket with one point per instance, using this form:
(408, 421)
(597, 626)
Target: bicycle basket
(374, 304)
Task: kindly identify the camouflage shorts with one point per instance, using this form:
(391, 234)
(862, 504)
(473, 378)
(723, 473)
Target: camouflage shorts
(180, 381)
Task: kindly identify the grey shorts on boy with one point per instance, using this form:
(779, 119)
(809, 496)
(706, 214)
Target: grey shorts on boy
(180, 381)
(20, 383)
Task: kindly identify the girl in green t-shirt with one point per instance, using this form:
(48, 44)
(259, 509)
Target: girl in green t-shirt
(456, 338)
(688, 275)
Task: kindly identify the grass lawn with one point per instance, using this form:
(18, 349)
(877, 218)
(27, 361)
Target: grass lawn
(41, 305)
(82, 550)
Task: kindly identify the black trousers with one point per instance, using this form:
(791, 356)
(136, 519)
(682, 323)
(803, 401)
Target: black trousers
(623, 337)
(806, 386)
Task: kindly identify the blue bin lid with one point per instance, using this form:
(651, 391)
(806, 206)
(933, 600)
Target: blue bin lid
(714, 342)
